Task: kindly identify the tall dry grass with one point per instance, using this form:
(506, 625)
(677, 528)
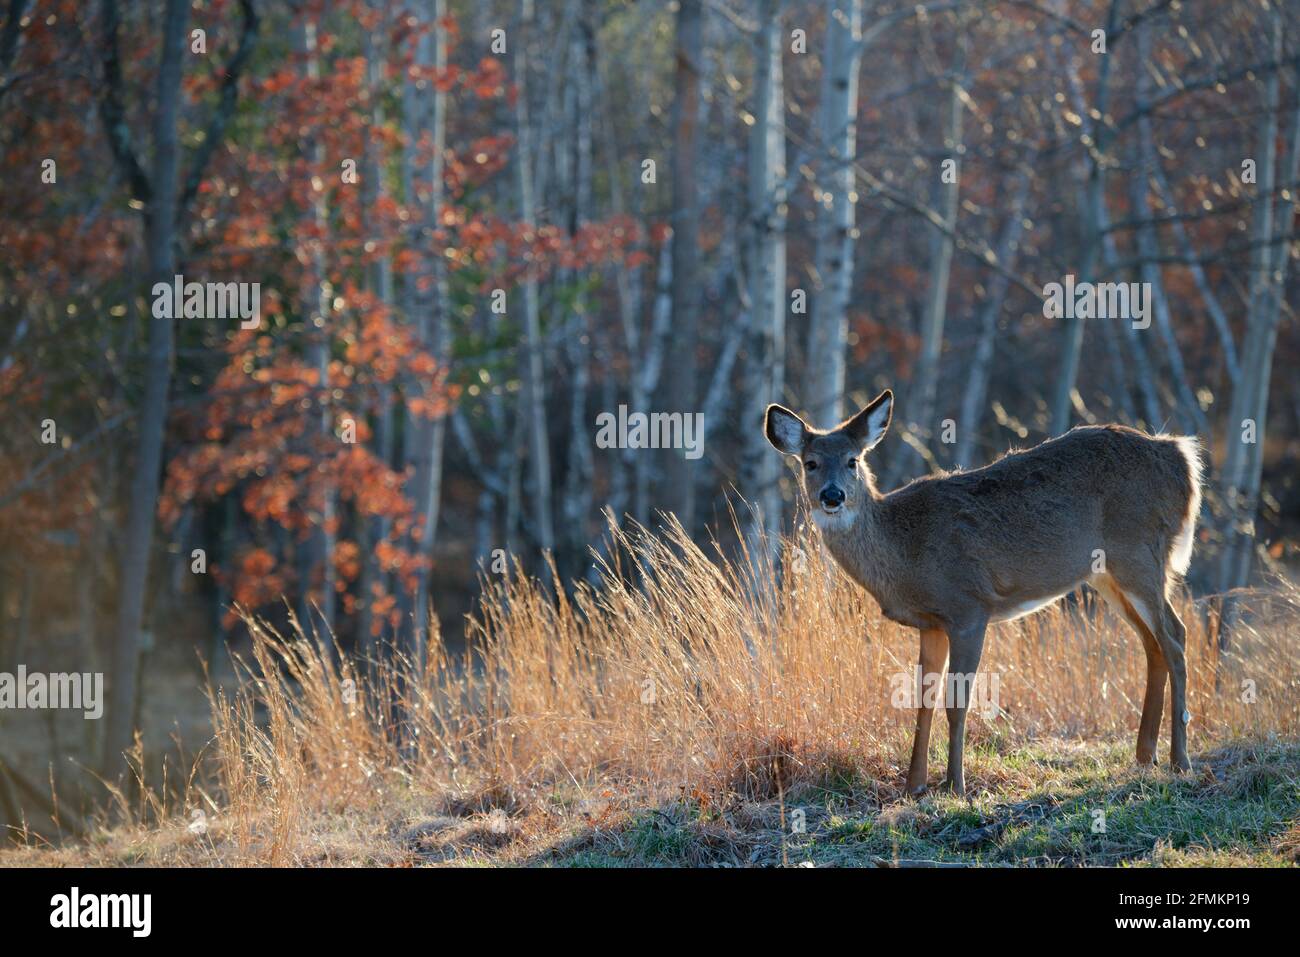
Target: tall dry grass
(689, 669)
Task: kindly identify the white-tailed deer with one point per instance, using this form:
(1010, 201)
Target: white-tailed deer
(949, 554)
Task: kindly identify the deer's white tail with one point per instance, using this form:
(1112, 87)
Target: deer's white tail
(1180, 555)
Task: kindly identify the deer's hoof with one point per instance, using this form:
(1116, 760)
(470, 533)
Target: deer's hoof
(1181, 765)
(949, 786)
(915, 790)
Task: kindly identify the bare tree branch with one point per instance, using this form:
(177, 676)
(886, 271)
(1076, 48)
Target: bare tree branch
(225, 107)
(113, 113)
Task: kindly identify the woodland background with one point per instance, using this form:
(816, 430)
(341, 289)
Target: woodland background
(794, 241)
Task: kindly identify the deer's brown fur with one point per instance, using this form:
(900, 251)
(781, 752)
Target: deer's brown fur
(950, 553)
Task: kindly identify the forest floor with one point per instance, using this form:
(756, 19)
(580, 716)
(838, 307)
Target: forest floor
(1050, 803)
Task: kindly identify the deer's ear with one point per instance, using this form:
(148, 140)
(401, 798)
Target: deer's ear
(868, 427)
(785, 430)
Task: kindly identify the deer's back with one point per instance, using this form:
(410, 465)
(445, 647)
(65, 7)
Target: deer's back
(1030, 523)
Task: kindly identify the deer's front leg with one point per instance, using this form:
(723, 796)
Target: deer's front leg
(934, 659)
(966, 645)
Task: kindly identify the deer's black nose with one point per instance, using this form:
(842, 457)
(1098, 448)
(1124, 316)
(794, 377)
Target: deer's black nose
(832, 496)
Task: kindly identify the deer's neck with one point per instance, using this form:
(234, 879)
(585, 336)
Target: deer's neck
(857, 546)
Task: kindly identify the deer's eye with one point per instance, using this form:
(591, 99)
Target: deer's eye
(852, 462)
(810, 465)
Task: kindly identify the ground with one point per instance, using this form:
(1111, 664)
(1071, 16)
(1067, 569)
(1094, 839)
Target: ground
(1051, 803)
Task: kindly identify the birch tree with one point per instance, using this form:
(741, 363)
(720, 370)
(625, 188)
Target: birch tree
(941, 248)
(425, 437)
(977, 382)
(1148, 243)
(1269, 261)
(767, 201)
(833, 255)
(533, 398)
(1097, 145)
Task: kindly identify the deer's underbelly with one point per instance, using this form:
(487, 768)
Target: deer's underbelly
(906, 614)
(1022, 608)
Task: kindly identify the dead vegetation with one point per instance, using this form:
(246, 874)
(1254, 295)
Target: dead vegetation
(679, 714)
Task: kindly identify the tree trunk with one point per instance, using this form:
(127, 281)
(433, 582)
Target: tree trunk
(1270, 258)
(972, 406)
(1148, 244)
(160, 239)
(533, 399)
(315, 303)
(1217, 316)
(579, 341)
(941, 248)
(833, 255)
(1068, 373)
(375, 530)
(766, 352)
(681, 386)
(426, 438)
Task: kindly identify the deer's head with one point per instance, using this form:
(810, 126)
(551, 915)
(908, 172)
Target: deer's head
(835, 472)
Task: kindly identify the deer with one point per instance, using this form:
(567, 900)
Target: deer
(951, 553)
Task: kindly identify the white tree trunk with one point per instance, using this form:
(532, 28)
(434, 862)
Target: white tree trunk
(533, 397)
(972, 406)
(766, 354)
(941, 248)
(1072, 350)
(1270, 257)
(425, 438)
(833, 255)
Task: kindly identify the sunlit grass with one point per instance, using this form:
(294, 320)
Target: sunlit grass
(647, 716)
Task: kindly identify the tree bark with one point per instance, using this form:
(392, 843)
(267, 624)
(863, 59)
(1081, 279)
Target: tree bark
(375, 530)
(972, 406)
(425, 437)
(766, 352)
(941, 248)
(1068, 373)
(160, 242)
(681, 386)
(1148, 243)
(1270, 258)
(534, 396)
(318, 567)
(833, 255)
(580, 342)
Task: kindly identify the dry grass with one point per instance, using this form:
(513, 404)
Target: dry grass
(682, 686)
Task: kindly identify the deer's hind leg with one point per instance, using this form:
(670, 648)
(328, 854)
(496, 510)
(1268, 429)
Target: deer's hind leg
(1173, 638)
(1153, 703)
(1142, 598)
